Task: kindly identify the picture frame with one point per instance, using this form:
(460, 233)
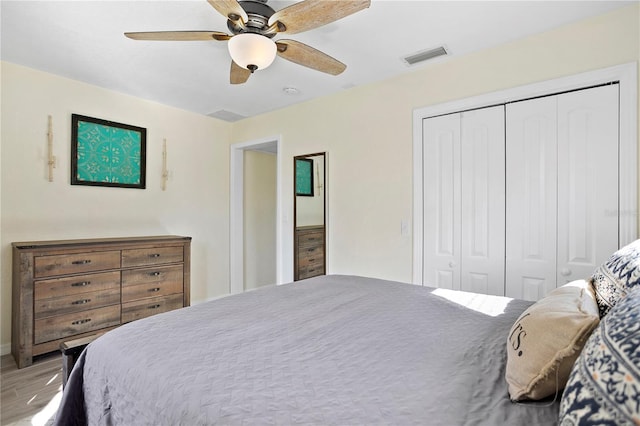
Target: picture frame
(304, 177)
(106, 153)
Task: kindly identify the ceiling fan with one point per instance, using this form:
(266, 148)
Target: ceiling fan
(253, 24)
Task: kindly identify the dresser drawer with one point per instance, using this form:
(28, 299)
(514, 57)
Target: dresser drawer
(147, 307)
(151, 282)
(310, 271)
(152, 256)
(76, 303)
(311, 261)
(72, 286)
(310, 253)
(307, 239)
(60, 326)
(63, 264)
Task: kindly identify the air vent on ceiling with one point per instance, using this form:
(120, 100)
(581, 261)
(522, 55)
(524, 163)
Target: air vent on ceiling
(425, 55)
(226, 115)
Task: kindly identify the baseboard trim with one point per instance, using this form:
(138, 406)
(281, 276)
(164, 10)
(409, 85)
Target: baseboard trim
(5, 349)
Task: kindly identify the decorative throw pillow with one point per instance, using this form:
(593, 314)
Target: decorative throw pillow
(604, 386)
(616, 276)
(546, 339)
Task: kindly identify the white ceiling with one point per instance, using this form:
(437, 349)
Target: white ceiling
(83, 40)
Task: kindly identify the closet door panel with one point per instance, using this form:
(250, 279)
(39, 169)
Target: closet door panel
(441, 151)
(531, 200)
(483, 200)
(587, 180)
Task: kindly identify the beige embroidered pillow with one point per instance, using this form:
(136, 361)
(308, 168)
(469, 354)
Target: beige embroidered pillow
(547, 338)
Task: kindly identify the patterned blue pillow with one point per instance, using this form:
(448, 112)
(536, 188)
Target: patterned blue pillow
(616, 276)
(604, 385)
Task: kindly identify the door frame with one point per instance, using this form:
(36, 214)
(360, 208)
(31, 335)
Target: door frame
(627, 77)
(236, 211)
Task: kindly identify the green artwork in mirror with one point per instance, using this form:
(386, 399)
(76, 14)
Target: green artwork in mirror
(105, 153)
(304, 177)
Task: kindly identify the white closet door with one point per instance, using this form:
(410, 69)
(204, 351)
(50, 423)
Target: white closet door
(441, 159)
(483, 201)
(587, 180)
(531, 207)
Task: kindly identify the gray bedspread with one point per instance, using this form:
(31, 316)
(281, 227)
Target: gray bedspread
(339, 350)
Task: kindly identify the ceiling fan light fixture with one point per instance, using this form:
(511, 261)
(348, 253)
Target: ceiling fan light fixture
(252, 51)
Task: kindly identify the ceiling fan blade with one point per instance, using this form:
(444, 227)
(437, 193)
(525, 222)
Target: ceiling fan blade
(310, 14)
(309, 57)
(238, 75)
(230, 9)
(179, 35)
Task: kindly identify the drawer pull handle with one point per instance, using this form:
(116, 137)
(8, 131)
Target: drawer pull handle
(81, 302)
(81, 284)
(81, 262)
(154, 290)
(82, 321)
(310, 250)
(154, 274)
(312, 260)
(154, 255)
(154, 306)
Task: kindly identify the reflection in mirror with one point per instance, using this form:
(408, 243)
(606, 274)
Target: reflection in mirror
(309, 216)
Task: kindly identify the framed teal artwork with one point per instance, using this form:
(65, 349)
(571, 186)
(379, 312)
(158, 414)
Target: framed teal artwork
(304, 177)
(104, 153)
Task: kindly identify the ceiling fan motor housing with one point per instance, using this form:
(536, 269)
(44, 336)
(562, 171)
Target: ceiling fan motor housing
(259, 13)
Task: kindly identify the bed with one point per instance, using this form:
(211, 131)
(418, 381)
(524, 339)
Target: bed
(349, 350)
(328, 350)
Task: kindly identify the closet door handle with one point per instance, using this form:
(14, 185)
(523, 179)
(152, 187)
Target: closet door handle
(565, 272)
(452, 264)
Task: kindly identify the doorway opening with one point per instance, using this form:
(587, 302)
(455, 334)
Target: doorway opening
(245, 267)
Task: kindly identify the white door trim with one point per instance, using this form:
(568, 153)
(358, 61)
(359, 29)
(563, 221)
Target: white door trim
(625, 74)
(236, 213)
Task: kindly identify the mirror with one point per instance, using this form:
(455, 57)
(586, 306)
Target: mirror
(309, 216)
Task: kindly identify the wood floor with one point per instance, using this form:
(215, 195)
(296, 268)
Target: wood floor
(30, 396)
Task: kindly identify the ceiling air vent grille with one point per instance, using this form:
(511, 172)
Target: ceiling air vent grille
(425, 55)
(226, 115)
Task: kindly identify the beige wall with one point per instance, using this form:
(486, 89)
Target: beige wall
(259, 219)
(195, 203)
(366, 132)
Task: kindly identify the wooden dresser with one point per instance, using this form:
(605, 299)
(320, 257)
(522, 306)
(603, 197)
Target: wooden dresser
(68, 289)
(309, 252)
